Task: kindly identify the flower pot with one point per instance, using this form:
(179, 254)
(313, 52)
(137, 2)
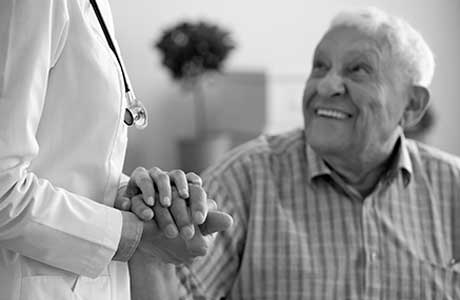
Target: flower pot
(196, 154)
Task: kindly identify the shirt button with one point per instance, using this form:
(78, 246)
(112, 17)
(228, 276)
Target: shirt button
(374, 256)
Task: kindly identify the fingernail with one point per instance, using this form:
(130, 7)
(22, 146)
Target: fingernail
(147, 213)
(125, 204)
(199, 217)
(166, 201)
(184, 193)
(187, 232)
(150, 201)
(171, 231)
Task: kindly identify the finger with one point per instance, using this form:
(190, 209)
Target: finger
(181, 215)
(163, 185)
(194, 178)
(198, 245)
(131, 188)
(215, 222)
(122, 203)
(125, 204)
(141, 210)
(180, 181)
(143, 181)
(198, 204)
(165, 221)
(212, 205)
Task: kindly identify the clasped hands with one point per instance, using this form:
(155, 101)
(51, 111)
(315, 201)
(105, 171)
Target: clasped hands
(179, 220)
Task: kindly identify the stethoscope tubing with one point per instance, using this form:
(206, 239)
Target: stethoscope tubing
(135, 113)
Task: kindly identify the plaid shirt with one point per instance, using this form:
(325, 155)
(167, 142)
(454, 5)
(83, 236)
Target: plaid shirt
(302, 233)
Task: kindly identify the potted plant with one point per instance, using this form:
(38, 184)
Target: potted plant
(193, 52)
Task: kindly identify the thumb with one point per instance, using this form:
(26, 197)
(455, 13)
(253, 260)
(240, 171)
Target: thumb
(122, 203)
(216, 221)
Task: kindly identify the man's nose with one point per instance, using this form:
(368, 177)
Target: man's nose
(331, 85)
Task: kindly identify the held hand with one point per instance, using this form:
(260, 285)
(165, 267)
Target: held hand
(177, 217)
(153, 277)
(145, 182)
(177, 250)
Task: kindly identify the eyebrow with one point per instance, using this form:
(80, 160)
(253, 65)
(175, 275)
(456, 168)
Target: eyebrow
(364, 51)
(369, 54)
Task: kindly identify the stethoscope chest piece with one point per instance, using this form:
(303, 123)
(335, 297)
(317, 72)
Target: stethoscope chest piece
(136, 114)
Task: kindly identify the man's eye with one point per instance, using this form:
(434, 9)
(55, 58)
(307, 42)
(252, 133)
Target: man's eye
(319, 68)
(319, 65)
(359, 69)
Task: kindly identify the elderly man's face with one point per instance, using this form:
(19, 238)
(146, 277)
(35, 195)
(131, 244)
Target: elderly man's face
(354, 97)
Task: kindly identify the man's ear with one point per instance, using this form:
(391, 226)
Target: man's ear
(419, 97)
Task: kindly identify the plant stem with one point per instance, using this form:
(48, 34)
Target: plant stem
(200, 108)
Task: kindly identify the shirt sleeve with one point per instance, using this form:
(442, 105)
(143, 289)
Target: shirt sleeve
(131, 231)
(38, 219)
(213, 275)
(131, 234)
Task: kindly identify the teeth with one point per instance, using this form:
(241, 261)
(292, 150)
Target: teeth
(332, 114)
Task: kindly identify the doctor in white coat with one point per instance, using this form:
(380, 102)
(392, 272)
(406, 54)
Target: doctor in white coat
(62, 146)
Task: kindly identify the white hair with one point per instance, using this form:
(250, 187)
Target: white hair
(404, 42)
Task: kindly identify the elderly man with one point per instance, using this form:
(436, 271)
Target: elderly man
(347, 208)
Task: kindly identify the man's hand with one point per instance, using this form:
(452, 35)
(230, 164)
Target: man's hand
(146, 187)
(177, 250)
(152, 277)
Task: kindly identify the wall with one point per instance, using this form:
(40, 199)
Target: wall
(275, 36)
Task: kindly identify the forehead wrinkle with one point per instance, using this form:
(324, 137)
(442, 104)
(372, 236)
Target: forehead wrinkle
(367, 47)
(355, 39)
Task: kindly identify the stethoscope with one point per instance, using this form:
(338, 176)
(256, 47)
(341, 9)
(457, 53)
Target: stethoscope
(135, 113)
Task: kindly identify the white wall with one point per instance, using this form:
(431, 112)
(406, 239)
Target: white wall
(276, 36)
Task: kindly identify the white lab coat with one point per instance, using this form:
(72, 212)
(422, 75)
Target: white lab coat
(62, 145)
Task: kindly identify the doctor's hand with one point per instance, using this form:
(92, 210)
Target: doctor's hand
(146, 182)
(181, 216)
(156, 245)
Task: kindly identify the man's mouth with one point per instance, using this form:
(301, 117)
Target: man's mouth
(332, 113)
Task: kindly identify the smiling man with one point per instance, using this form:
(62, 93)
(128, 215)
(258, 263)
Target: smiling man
(346, 208)
(357, 96)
